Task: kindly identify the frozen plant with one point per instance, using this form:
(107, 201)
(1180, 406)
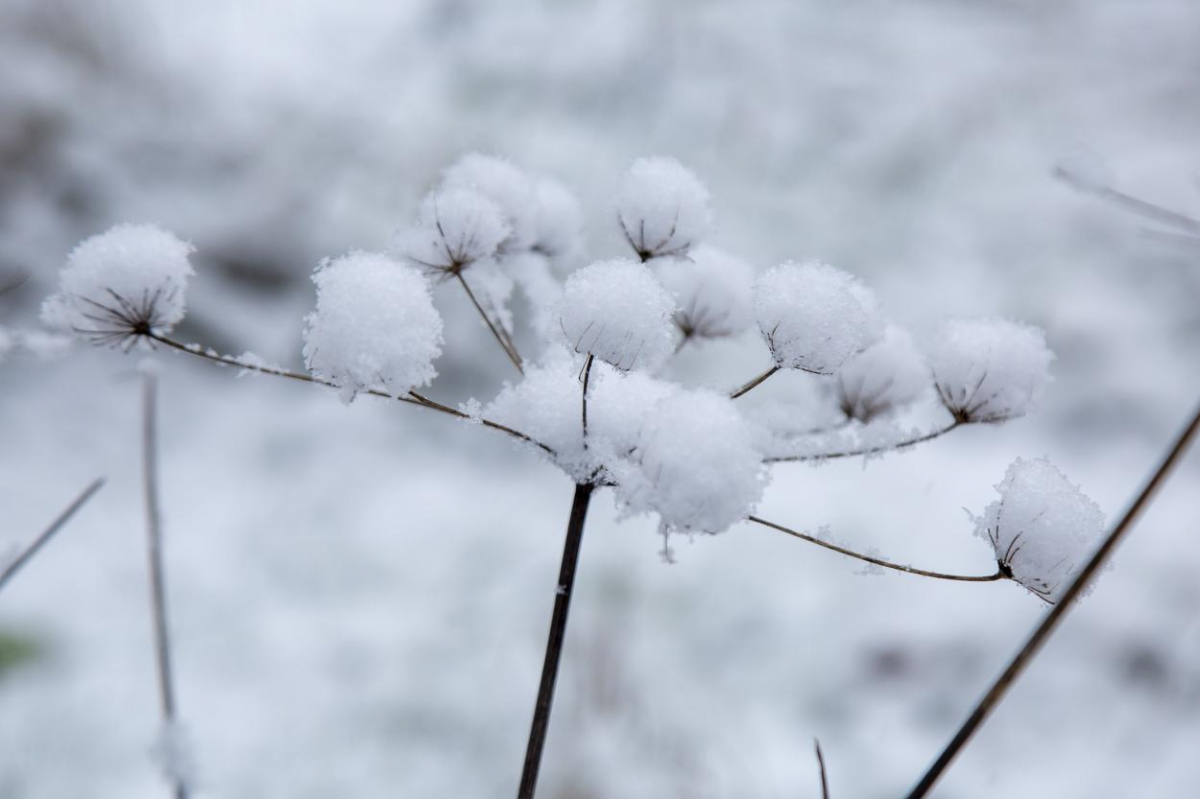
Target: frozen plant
(594, 402)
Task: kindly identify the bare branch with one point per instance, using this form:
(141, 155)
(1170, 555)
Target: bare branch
(875, 450)
(821, 766)
(502, 338)
(755, 382)
(27, 554)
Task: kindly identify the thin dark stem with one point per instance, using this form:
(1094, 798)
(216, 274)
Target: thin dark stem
(754, 383)
(587, 374)
(1027, 652)
(27, 554)
(154, 557)
(827, 456)
(413, 397)
(502, 337)
(821, 766)
(965, 578)
(554, 643)
(1137, 205)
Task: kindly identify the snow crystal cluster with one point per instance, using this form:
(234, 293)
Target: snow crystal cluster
(122, 284)
(456, 227)
(712, 290)
(887, 375)
(1043, 528)
(374, 327)
(663, 208)
(989, 370)
(618, 312)
(814, 316)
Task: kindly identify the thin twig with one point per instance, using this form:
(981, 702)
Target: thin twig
(875, 450)
(755, 382)
(554, 643)
(966, 578)
(821, 766)
(154, 557)
(1137, 205)
(502, 338)
(27, 554)
(413, 397)
(587, 374)
(1027, 652)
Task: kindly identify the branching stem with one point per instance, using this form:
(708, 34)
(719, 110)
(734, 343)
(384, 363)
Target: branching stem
(826, 456)
(1027, 652)
(966, 578)
(502, 338)
(27, 554)
(755, 382)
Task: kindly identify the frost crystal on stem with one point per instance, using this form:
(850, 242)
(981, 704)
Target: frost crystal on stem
(374, 327)
(618, 311)
(814, 316)
(121, 285)
(1042, 528)
(662, 208)
(989, 370)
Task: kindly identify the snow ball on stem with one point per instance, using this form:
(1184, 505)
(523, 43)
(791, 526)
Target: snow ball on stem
(696, 465)
(618, 312)
(1043, 528)
(814, 316)
(374, 327)
(456, 228)
(889, 374)
(713, 292)
(663, 208)
(989, 370)
(507, 186)
(122, 285)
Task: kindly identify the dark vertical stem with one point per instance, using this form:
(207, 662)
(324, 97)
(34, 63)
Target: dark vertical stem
(754, 383)
(554, 643)
(27, 554)
(821, 766)
(1000, 687)
(158, 586)
(587, 374)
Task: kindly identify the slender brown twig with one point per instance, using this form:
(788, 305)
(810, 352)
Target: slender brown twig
(413, 397)
(587, 374)
(966, 578)
(502, 338)
(755, 382)
(554, 643)
(875, 450)
(27, 554)
(821, 766)
(1052, 619)
(154, 558)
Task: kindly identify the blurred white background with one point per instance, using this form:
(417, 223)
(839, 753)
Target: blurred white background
(360, 595)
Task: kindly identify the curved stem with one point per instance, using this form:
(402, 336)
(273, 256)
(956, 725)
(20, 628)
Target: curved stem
(413, 397)
(965, 578)
(554, 642)
(1023, 658)
(502, 338)
(27, 554)
(754, 383)
(587, 374)
(825, 456)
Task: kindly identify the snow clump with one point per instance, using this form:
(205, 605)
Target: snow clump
(989, 370)
(713, 292)
(662, 207)
(456, 227)
(887, 375)
(504, 184)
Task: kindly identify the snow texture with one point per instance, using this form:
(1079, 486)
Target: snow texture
(662, 207)
(696, 464)
(456, 227)
(374, 327)
(889, 374)
(1043, 528)
(128, 280)
(989, 370)
(618, 311)
(814, 316)
(505, 184)
(713, 291)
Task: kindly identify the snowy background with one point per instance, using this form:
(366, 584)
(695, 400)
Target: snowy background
(360, 595)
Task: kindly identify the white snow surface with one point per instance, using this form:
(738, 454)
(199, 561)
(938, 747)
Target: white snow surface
(989, 370)
(713, 291)
(455, 228)
(663, 208)
(813, 316)
(374, 326)
(884, 377)
(508, 186)
(1043, 527)
(127, 275)
(618, 311)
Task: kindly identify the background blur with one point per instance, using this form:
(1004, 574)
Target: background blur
(360, 595)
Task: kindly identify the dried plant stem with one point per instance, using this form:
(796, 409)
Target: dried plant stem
(1052, 619)
(554, 643)
(587, 374)
(158, 584)
(965, 578)
(1137, 205)
(754, 383)
(413, 397)
(499, 333)
(851, 453)
(821, 766)
(27, 554)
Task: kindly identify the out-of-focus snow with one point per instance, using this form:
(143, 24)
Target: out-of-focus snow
(989, 370)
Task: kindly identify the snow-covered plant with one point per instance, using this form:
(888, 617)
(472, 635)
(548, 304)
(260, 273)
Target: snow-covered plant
(594, 401)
